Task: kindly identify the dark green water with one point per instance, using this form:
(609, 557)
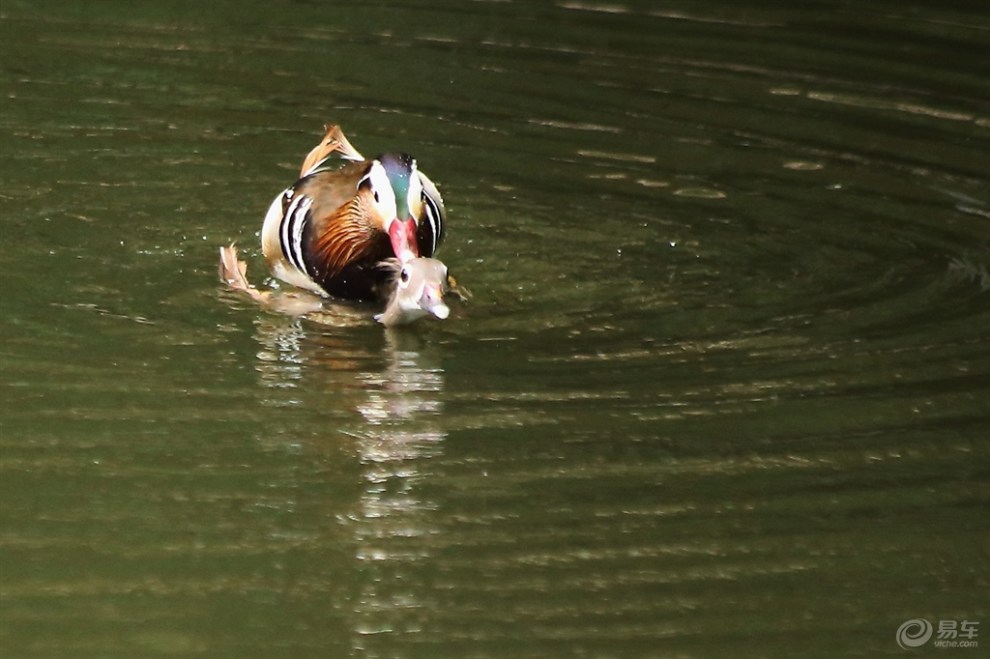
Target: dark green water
(721, 390)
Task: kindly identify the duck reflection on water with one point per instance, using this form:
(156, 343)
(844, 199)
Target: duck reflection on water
(395, 389)
(389, 401)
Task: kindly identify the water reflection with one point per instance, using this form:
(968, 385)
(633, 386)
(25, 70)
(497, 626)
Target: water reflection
(395, 393)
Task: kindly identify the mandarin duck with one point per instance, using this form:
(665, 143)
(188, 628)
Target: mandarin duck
(418, 287)
(331, 229)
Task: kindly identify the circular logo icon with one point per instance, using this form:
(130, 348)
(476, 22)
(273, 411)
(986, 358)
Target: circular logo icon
(914, 633)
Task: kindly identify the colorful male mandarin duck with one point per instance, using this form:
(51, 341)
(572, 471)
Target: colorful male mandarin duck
(329, 232)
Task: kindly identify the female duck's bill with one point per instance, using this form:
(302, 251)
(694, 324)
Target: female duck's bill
(419, 287)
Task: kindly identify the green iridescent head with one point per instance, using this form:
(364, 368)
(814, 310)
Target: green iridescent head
(400, 167)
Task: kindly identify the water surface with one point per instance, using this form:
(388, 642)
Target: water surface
(720, 390)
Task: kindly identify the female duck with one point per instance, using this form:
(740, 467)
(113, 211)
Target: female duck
(329, 232)
(418, 287)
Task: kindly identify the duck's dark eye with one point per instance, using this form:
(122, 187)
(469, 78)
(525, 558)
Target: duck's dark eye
(376, 196)
(404, 276)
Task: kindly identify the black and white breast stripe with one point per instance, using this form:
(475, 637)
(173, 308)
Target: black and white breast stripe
(434, 219)
(291, 229)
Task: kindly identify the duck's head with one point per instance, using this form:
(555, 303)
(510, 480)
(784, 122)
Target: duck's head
(401, 194)
(419, 287)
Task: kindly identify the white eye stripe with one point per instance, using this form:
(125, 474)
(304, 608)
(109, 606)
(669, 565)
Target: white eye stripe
(415, 195)
(384, 196)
